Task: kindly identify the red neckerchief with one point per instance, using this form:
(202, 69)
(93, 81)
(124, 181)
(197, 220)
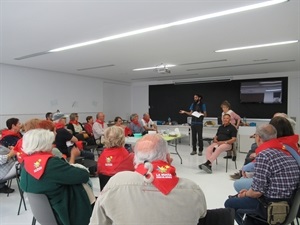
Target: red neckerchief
(147, 120)
(10, 133)
(74, 122)
(278, 144)
(136, 122)
(291, 141)
(35, 164)
(164, 175)
(127, 131)
(101, 123)
(19, 152)
(59, 125)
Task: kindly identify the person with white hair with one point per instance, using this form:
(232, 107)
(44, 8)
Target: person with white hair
(58, 180)
(148, 195)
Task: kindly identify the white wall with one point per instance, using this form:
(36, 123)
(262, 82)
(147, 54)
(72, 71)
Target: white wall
(140, 99)
(140, 92)
(116, 100)
(26, 93)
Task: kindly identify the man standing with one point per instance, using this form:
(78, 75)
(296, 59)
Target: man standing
(199, 108)
(153, 191)
(276, 176)
(225, 137)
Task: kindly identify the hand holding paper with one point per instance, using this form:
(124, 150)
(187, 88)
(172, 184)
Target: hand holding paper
(197, 114)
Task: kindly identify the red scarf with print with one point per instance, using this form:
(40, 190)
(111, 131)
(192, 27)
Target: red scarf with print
(101, 123)
(164, 175)
(35, 164)
(19, 151)
(74, 122)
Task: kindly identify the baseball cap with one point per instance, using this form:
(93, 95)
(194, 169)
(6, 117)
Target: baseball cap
(58, 116)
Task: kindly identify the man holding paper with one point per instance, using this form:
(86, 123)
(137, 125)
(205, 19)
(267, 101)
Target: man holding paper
(197, 111)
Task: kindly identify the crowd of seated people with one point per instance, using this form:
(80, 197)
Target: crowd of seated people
(115, 159)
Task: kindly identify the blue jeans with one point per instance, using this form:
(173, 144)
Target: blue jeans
(244, 205)
(242, 183)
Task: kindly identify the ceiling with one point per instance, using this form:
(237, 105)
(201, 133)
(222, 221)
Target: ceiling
(31, 28)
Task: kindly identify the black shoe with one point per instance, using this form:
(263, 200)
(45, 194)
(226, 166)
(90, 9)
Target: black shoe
(193, 153)
(234, 158)
(199, 153)
(227, 157)
(5, 189)
(206, 168)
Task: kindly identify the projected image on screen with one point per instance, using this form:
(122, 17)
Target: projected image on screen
(268, 92)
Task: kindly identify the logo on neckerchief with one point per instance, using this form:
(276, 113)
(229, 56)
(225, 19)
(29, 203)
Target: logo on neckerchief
(161, 174)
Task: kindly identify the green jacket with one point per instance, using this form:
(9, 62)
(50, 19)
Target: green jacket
(62, 183)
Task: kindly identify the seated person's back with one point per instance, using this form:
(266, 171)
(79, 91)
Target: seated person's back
(153, 194)
(60, 182)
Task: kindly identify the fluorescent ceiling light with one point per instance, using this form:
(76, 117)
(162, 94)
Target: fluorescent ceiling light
(257, 46)
(176, 23)
(155, 67)
(273, 90)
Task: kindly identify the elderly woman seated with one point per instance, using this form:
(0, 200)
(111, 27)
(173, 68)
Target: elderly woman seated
(58, 180)
(115, 157)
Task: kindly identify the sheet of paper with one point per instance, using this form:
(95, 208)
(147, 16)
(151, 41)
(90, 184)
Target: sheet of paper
(197, 114)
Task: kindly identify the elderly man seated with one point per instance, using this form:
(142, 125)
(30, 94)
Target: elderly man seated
(225, 137)
(276, 176)
(147, 123)
(148, 195)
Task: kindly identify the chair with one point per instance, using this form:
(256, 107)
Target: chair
(103, 179)
(41, 209)
(22, 200)
(231, 152)
(293, 214)
(222, 216)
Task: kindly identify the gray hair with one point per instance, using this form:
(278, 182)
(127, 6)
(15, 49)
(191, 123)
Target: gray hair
(132, 116)
(149, 148)
(266, 132)
(37, 140)
(73, 116)
(114, 137)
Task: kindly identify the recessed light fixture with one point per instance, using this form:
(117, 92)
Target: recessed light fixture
(258, 46)
(155, 67)
(176, 23)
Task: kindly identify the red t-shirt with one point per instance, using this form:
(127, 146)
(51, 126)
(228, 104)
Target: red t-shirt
(113, 160)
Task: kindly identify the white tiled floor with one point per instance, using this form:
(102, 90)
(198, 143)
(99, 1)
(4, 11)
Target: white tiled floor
(216, 186)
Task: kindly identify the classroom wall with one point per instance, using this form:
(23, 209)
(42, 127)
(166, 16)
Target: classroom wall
(26, 93)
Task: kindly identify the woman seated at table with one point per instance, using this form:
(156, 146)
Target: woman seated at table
(115, 157)
(58, 180)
